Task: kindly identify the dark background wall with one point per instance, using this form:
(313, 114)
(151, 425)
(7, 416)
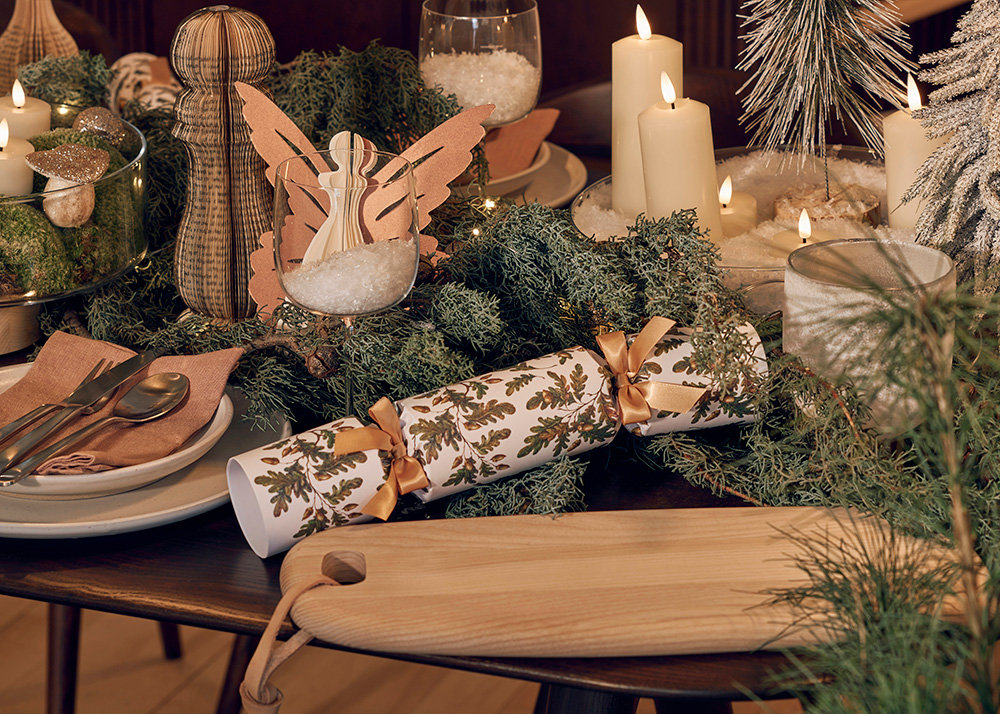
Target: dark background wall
(576, 34)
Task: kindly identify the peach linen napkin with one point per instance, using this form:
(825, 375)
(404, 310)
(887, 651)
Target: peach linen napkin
(512, 148)
(66, 359)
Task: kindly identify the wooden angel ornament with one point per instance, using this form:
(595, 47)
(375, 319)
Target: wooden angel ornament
(438, 158)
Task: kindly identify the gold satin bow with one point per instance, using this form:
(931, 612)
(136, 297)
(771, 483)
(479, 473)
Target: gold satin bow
(636, 401)
(405, 472)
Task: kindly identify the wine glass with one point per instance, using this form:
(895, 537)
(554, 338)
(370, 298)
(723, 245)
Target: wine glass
(483, 52)
(346, 241)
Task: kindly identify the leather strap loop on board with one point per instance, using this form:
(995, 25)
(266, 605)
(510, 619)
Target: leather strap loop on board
(260, 697)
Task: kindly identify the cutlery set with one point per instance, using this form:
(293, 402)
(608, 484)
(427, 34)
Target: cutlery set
(153, 397)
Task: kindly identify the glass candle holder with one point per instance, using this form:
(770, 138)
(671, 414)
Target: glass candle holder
(830, 290)
(483, 52)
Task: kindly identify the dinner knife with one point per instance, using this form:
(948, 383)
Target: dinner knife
(84, 396)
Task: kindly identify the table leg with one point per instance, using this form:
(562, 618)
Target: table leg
(239, 658)
(63, 655)
(556, 699)
(170, 638)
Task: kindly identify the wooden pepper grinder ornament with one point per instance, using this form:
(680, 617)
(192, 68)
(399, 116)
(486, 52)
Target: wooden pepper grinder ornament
(33, 32)
(228, 199)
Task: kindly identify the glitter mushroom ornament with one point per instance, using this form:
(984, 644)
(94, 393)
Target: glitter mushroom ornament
(72, 167)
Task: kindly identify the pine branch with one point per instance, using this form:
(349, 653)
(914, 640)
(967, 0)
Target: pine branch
(816, 60)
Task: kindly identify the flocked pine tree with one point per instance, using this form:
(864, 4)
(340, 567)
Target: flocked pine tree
(813, 60)
(960, 183)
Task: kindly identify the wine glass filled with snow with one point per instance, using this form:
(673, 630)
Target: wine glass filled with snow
(483, 52)
(346, 241)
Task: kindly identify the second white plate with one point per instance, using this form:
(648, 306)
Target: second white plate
(556, 182)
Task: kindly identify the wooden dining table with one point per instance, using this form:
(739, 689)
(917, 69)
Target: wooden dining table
(200, 572)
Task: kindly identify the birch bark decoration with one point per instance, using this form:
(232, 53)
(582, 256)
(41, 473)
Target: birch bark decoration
(228, 202)
(33, 32)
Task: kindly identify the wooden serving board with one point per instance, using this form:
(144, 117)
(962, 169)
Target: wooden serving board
(619, 583)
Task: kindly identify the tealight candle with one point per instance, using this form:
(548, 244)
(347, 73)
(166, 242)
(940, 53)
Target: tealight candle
(678, 159)
(738, 209)
(789, 241)
(15, 175)
(636, 64)
(906, 149)
(26, 117)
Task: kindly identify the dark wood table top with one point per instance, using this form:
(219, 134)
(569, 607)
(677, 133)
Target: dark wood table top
(201, 572)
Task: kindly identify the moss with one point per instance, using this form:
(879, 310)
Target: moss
(58, 137)
(114, 209)
(95, 251)
(33, 250)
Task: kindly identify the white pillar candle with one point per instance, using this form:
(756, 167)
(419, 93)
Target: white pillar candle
(738, 209)
(636, 64)
(26, 117)
(15, 175)
(906, 149)
(788, 241)
(678, 160)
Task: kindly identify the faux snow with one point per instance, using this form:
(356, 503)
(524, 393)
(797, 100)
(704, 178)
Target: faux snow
(501, 77)
(364, 279)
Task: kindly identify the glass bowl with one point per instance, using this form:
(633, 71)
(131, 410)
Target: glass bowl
(593, 203)
(40, 261)
(484, 52)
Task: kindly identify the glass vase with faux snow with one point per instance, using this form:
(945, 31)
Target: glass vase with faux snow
(483, 52)
(346, 241)
(832, 289)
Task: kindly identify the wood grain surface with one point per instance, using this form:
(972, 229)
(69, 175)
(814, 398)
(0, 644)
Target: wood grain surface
(680, 581)
(228, 202)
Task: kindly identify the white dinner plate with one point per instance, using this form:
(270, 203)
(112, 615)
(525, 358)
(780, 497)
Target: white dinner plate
(556, 182)
(186, 493)
(105, 483)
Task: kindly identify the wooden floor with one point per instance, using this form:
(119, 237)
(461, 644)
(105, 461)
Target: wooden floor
(122, 670)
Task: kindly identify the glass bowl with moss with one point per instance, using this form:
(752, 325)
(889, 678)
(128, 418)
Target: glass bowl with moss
(57, 242)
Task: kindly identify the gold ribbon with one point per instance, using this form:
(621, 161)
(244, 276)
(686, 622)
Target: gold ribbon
(405, 472)
(636, 401)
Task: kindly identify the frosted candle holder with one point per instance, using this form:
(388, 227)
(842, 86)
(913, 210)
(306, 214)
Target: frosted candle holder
(483, 52)
(829, 290)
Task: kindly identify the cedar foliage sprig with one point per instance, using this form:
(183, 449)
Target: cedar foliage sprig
(813, 60)
(520, 282)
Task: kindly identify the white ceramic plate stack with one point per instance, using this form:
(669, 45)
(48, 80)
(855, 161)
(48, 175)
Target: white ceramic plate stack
(553, 179)
(185, 483)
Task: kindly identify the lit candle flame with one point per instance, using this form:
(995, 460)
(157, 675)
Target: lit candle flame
(912, 93)
(726, 192)
(805, 226)
(17, 94)
(667, 88)
(642, 24)
(4, 134)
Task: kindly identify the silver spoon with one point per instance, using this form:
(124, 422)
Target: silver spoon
(153, 397)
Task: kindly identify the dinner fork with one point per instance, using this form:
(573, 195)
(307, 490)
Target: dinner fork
(38, 412)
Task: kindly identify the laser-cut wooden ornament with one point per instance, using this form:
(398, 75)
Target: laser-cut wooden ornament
(439, 157)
